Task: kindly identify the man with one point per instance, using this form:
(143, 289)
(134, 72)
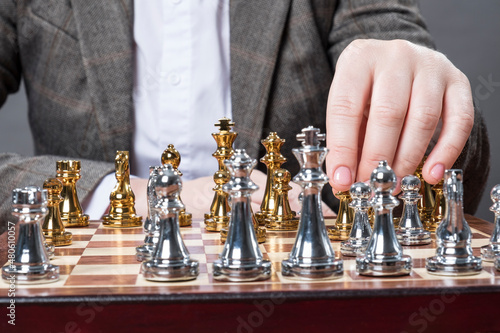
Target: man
(388, 95)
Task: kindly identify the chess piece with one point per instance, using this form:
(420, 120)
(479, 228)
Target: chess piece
(122, 200)
(260, 232)
(361, 230)
(219, 209)
(439, 204)
(30, 264)
(68, 172)
(383, 255)
(453, 236)
(492, 250)
(371, 216)
(312, 255)
(426, 202)
(241, 259)
(151, 225)
(282, 217)
(273, 161)
(53, 228)
(411, 231)
(171, 260)
(345, 218)
(49, 247)
(172, 156)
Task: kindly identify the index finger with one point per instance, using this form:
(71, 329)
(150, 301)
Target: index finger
(348, 97)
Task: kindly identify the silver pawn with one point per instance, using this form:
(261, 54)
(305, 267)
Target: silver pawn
(30, 264)
(384, 255)
(241, 259)
(453, 235)
(361, 229)
(411, 230)
(151, 225)
(312, 255)
(492, 250)
(170, 260)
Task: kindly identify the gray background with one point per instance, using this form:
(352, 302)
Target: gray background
(466, 31)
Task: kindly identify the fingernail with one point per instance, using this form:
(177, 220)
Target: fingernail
(342, 176)
(437, 171)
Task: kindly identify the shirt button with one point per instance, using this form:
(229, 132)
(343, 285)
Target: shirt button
(174, 79)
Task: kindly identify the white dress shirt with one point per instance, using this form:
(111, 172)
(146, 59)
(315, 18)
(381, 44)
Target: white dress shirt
(181, 87)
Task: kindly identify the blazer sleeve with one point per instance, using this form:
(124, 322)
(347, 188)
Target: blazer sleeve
(10, 64)
(20, 171)
(387, 20)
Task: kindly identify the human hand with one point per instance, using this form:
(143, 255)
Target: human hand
(198, 194)
(385, 102)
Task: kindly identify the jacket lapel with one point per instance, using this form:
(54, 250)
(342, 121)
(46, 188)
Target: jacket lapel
(256, 32)
(105, 33)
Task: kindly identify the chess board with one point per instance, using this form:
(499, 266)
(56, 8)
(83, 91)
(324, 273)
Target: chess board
(101, 289)
(102, 260)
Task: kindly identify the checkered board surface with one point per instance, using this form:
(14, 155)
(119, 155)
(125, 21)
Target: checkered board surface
(102, 260)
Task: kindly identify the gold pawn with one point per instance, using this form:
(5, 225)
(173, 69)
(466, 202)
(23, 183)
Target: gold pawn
(282, 218)
(439, 207)
(218, 217)
(122, 199)
(172, 156)
(53, 228)
(260, 232)
(273, 161)
(345, 217)
(426, 203)
(68, 172)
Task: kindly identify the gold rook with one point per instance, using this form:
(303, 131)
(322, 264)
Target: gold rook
(53, 228)
(68, 172)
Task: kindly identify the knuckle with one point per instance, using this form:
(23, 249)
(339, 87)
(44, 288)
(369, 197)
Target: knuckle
(389, 113)
(408, 164)
(426, 117)
(465, 123)
(374, 158)
(343, 109)
(341, 149)
(342, 105)
(353, 52)
(450, 149)
(401, 47)
(462, 79)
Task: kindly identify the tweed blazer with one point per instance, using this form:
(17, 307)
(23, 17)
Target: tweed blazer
(77, 58)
